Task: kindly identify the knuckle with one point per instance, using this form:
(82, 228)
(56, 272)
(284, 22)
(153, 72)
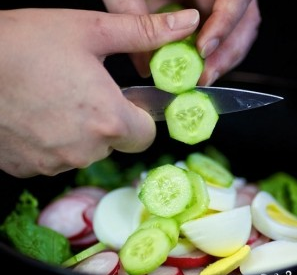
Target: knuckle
(146, 28)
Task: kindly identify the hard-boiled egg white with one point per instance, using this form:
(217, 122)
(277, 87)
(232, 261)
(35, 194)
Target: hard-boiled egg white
(272, 219)
(117, 216)
(220, 234)
(221, 198)
(270, 257)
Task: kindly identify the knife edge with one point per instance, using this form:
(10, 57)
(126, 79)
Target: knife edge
(225, 100)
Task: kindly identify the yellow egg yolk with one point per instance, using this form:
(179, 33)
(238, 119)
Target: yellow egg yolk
(281, 215)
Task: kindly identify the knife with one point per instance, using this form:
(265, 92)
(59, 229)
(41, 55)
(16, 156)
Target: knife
(225, 100)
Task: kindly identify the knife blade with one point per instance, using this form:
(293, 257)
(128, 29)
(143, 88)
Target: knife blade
(225, 100)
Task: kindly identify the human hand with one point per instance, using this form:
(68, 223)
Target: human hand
(227, 30)
(59, 107)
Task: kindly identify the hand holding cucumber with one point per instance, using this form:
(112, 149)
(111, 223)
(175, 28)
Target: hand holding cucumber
(60, 109)
(227, 30)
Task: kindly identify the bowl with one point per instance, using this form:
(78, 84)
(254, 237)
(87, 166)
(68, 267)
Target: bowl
(258, 143)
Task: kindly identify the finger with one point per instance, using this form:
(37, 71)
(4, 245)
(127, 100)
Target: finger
(234, 49)
(223, 19)
(141, 33)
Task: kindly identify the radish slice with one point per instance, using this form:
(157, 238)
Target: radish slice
(196, 258)
(93, 192)
(88, 215)
(192, 271)
(167, 270)
(64, 215)
(254, 235)
(103, 263)
(84, 241)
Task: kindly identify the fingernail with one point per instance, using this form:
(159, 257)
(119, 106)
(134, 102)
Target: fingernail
(209, 47)
(183, 19)
(212, 79)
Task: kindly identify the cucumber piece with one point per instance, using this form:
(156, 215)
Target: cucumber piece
(191, 117)
(166, 191)
(176, 67)
(167, 225)
(200, 201)
(144, 251)
(212, 171)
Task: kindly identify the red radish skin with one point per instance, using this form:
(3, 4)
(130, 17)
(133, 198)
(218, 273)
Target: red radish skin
(196, 258)
(88, 215)
(167, 270)
(103, 263)
(84, 241)
(65, 215)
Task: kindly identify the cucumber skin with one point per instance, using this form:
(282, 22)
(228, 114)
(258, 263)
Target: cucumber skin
(211, 170)
(176, 67)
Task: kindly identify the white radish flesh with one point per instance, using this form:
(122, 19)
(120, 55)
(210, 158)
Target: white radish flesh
(167, 270)
(103, 263)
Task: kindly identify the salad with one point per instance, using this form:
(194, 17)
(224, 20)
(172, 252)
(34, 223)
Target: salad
(191, 216)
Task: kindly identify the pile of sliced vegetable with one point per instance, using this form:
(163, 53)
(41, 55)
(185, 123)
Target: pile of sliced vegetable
(189, 217)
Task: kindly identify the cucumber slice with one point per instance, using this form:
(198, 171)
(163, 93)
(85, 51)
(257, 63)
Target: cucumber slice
(167, 225)
(200, 202)
(176, 67)
(191, 117)
(166, 191)
(211, 170)
(144, 251)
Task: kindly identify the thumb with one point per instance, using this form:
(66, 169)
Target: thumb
(129, 33)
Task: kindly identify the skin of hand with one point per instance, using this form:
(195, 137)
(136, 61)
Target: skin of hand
(60, 109)
(227, 30)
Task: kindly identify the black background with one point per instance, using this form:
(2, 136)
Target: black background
(258, 142)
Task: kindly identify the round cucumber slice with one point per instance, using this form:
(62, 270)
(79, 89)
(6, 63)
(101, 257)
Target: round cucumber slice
(144, 251)
(166, 191)
(176, 67)
(191, 117)
(167, 225)
(212, 171)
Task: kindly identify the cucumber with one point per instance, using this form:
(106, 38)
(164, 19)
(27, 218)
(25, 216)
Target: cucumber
(144, 251)
(212, 171)
(166, 191)
(191, 117)
(200, 202)
(176, 67)
(167, 225)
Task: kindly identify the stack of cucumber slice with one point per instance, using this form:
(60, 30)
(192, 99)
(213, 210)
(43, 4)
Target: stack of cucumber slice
(176, 68)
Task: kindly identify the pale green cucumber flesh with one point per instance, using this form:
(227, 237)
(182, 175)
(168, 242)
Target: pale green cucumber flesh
(211, 170)
(166, 191)
(191, 117)
(168, 225)
(144, 251)
(176, 67)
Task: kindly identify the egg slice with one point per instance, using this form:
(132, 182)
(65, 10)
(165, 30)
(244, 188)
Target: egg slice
(270, 257)
(117, 216)
(272, 219)
(220, 234)
(221, 198)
